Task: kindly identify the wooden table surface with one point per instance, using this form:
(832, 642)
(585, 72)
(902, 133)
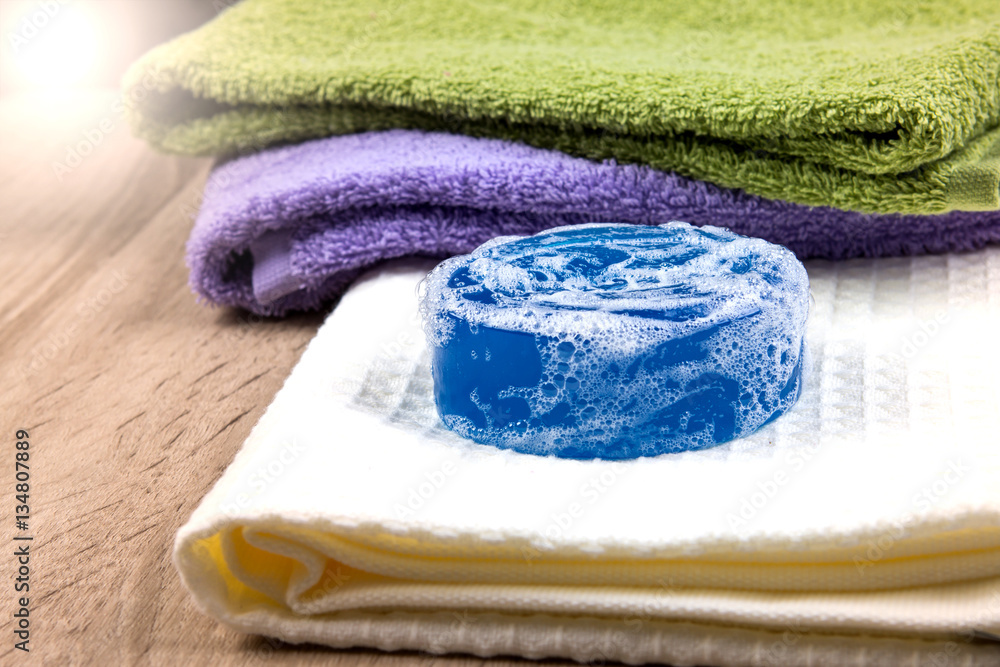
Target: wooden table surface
(135, 397)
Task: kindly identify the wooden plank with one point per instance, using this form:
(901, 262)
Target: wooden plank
(136, 398)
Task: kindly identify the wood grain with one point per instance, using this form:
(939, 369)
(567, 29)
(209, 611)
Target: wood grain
(136, 397)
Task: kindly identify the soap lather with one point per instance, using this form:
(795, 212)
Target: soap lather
(616, 341)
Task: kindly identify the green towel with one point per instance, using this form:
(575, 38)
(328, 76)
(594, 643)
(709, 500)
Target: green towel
(873, 106)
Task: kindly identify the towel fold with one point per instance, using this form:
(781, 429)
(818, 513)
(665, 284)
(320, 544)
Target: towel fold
(288, 228)
(862, 527)
(880, 107)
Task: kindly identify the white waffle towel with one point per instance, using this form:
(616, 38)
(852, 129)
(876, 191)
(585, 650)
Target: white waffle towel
(862, 528)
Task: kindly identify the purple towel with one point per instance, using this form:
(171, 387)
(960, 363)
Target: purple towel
(289, 228)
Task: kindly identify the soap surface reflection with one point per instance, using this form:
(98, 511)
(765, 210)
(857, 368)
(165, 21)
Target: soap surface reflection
(616, 341)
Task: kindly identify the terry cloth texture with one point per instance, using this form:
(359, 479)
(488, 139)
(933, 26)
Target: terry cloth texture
(861, 528)
(288, 228)
(875, 106)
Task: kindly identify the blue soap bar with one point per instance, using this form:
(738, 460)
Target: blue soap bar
(616, 341)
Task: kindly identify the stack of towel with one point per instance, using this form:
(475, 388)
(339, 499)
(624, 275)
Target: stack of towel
(859, 130)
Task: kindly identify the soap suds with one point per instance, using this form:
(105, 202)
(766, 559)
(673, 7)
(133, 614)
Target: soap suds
(646, 339)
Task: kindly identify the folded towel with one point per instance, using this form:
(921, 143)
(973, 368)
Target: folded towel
(861, 528)
(288, 228)
(881, 107)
